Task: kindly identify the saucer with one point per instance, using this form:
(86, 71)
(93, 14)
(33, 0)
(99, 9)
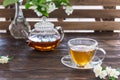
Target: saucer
(66, 60)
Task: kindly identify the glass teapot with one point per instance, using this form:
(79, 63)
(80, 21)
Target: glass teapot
(44, 36)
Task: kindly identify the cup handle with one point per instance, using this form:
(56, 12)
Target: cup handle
(103, 51)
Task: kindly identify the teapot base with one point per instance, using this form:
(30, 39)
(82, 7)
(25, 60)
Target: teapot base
(43, 46)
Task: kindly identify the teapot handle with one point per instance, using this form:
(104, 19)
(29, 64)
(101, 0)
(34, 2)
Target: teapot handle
(61, 31)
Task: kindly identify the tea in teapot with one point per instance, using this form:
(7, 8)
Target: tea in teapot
(44, 36)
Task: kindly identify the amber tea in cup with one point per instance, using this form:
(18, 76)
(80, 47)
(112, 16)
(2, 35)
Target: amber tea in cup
(82, 57)
(83, 50)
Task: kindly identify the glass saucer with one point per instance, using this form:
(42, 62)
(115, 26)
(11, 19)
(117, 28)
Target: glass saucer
(66, 60)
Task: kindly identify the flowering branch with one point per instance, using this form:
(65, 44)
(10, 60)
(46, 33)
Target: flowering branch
(102, 73)
(44, 7)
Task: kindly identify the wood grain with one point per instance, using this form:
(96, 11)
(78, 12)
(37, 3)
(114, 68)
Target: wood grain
(108, 25)
(96, 2)
(29, 64)
(98, 14)
(8, 13)
(91, 2)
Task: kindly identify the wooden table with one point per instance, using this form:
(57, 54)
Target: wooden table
(29, 64)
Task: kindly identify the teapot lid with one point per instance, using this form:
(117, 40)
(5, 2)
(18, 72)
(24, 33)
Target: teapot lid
(44, 24)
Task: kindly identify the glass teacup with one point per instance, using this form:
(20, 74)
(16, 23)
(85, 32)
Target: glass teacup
(83, 50)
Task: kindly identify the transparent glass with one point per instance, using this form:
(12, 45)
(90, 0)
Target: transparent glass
(19, 23)
(44, 36)
(82, 52)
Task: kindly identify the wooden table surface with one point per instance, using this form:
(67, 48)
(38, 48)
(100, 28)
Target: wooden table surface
(29, 64)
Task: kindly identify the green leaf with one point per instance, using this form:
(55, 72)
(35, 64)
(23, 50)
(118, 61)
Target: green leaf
(58, 4)
(66, 1)
(11, 58)
(9, 2)
(103, 68)
(42, 1)
(112, 78)
(43, 12)
(35, 2)
(27, 5)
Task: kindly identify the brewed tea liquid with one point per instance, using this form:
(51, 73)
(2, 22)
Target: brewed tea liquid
(81, 57)
(43, 43)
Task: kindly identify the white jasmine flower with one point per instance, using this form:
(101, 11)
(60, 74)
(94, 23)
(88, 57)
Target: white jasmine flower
(63, 3)
(103, 74)
(20, 0)
(48, 0)
(108, 71)
(30, 3)
(43, 9)
(112, 72)
(37, 12)
(51, 7)
(115, 73)
(4, 59)
(97, 70)
(33, 7)
(68, 10)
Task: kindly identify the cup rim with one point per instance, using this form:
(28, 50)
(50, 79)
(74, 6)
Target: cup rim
(96, 43)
